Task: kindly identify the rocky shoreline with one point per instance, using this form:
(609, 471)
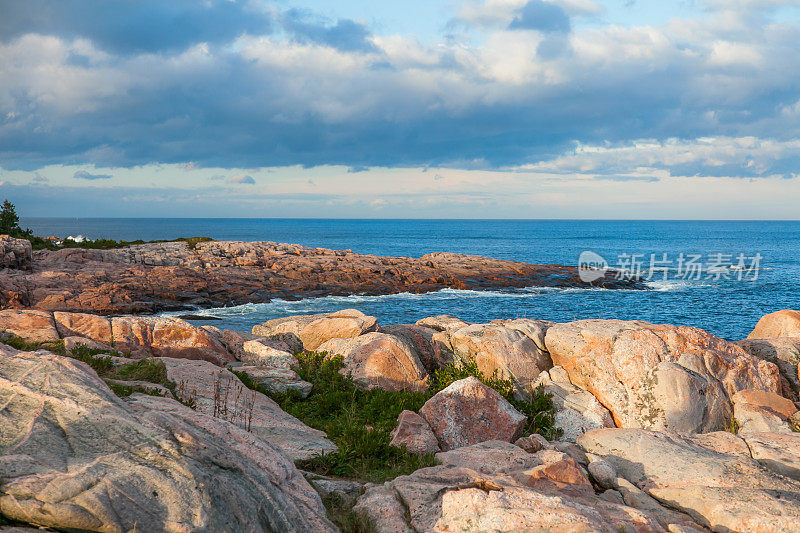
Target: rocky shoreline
(155, 277)
(178, 428)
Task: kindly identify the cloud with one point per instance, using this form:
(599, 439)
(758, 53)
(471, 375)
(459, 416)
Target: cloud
(542, 16)
(241, 179)
(83, 175)
(127, 27)
(346, 35)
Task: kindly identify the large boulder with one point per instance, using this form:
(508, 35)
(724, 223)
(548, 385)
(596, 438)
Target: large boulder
(33, 326)
(75, 457)
(257, 350)
(442, 322)
(166, 337)
(468, 412)
(421, 340)
(16, 254)
(96, 328)
(758, 411)
(497, 348)
(217, 392)
(379, 360)
(275, 379)
(780, 452)
(314, 330)
(576, 411)
(414, 433)
(658, 376)
(785, 353)
(720, 491)
(785, 323)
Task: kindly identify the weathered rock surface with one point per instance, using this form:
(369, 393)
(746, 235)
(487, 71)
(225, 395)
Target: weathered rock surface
(15, 253)
(780, 452)
(31, 325)
(577, 411)
(414, 433)
(257, 350)
(155, 277)
(449, 498)
(785, 323)
(379, 360)
(166, 337)
(219, 393)
(720, 491)
(785, 353)
(314, 330)
(758, 411)
(497, 348)
(468, 412)
(421, 340)
(346, 491)
(442, 322)
(96, 328)
(490, 457)
(278, 380)
(658, 376)
(75, 457)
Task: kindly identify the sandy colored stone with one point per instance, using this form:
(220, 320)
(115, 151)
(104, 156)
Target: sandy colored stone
(532, 328)
(71, 343)
(780, 452)
(378, 360)
(785, 323)
(577, 411)
(442, 322)
(722, 442)
(490, 457)
(73, 456)
(468, 412)
(717, 490)
(420, 340)
(658, 376)
(257, 350)
(15, 254)
(96, 328)
(560, 477)
(785, 353)
(314, 330)
(413, 432)
(278, 380)
(30, 325)
(218, 392)
(759, 411)
(498, 349)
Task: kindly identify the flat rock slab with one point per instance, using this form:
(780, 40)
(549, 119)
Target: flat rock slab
(218, 392)
(73, 456)
(720, 491)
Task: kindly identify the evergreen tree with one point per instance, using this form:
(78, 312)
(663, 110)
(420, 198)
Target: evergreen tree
(9, 221)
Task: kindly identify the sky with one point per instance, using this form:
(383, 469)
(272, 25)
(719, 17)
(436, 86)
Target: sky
(618, 109)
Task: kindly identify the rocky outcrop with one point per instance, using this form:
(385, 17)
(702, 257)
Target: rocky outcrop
(658, 376)
(217, 392)
(511, 353)
(785, 323)
(414, 433)
(720, 491)
(517, 494)
(783, 352)
(442, 322)
(155, 277)
(421, 340)
(468, 412)
(779, 452)
(378, 360)
(15, 254)
(73, 456)
(576, 411)
(33, 326)
(315, 330)
(275, 379)
(96, 328)
(759, 411)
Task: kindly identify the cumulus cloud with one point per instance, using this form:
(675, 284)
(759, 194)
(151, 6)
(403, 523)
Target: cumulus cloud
(83, 175)
(346, 35)
(540, 15)
(242, 179)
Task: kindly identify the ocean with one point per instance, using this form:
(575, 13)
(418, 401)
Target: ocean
(721, 276)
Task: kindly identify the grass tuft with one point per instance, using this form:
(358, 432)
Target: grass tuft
(345, 518)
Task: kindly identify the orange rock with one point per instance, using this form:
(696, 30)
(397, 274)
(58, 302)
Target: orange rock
(658, 376)
(166, 337)
(468, 412)
(785, 323)
(414, 433)
(33, 326)
(562, 476)
(97, 328)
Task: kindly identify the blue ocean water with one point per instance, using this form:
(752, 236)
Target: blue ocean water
(727, 307)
